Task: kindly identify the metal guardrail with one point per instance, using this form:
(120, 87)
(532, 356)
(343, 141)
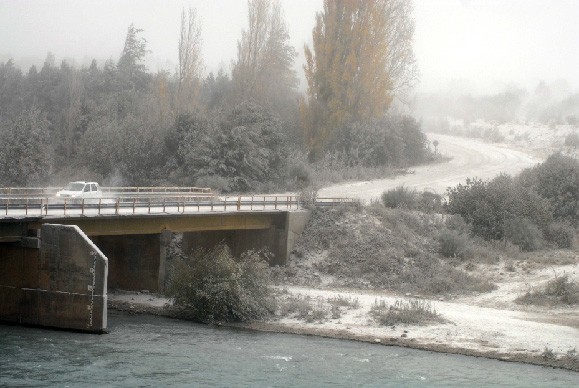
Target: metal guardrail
(52, 206)
(138, 190)
(172, 200)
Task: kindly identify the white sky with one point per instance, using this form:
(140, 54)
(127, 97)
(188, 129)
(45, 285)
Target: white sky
(486, 44)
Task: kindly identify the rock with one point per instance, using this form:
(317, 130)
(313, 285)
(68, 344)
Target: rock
(404, 335)
(377, 340)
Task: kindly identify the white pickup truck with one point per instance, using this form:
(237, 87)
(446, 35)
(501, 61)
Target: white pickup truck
(81, 190)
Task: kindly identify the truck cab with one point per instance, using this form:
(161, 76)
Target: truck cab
(80, 189)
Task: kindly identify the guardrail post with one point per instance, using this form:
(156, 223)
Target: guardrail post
(100, 202)
(26, 206)
(149, 210)
(239, 203)
(264, 202)
(163, 205)
(134, 200)
(251, 206)
(225, 204)
(276, 202)
(117, 203)
(82, 207)
(211, 204)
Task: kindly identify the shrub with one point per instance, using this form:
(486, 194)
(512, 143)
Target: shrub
(390, 141)
(561, 234)
(304, 308)
(299, 174)
(412, 312)
(400, 197)
(453, 244)
(487, 206)
(430, 202)
(560, 290)
(572, 140)
(557, 181)
(523, 233)
(213, 286)
(457, 223)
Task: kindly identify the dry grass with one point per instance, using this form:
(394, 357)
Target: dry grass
(311, 309)
(558, 291)
(411, 312)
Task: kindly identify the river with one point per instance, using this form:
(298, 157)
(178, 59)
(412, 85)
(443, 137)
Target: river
(142, 350)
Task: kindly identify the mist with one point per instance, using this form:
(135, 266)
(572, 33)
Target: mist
(484, 46)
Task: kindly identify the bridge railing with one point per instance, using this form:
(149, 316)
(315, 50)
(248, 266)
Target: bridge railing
(124, 205)
(108, 191)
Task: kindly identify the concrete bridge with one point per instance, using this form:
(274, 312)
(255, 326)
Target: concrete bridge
(59, 257)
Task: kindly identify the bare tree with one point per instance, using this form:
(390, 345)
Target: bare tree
(264, 67)
(190, 61)
(400, 60)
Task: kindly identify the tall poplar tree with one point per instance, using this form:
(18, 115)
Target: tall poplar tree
(190, 62)
(264, 70)
(360, 57)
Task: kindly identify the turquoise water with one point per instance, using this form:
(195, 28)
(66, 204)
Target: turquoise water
(154, 351)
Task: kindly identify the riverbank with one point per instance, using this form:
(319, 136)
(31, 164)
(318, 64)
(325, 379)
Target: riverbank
(547, 337)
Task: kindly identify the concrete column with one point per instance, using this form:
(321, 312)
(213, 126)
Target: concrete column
(64, 286)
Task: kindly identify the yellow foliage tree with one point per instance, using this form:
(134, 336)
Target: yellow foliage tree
(361, 55)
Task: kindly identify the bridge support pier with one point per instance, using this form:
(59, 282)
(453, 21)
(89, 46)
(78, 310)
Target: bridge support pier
(63, 284)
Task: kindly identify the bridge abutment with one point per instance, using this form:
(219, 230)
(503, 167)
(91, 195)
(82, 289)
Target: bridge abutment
(63, 284)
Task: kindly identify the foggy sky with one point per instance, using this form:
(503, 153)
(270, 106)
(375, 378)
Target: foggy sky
(481, 44)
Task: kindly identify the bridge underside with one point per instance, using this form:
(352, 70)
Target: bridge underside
(136, 248)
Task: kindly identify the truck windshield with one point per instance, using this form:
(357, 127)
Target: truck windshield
(74, 186)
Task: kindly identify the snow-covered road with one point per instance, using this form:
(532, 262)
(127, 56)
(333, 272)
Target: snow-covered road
(470, 158)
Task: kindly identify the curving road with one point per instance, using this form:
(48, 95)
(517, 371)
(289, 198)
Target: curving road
(470, 158)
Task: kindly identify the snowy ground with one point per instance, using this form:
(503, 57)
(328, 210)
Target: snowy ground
(489, 324)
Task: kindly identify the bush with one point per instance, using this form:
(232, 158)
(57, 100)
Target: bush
(487, 206)
(304, 308)
(557, 181)
(299, 174)
(523, 233)
(560, 290)
(400, 197)
(390, 141)
(453, 244)
(430, 202)
(457, 223)
(212, 286)
(572, 140)
(412, 312)
(561, 234)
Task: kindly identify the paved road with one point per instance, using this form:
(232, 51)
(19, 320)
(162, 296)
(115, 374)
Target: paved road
(470, 158)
